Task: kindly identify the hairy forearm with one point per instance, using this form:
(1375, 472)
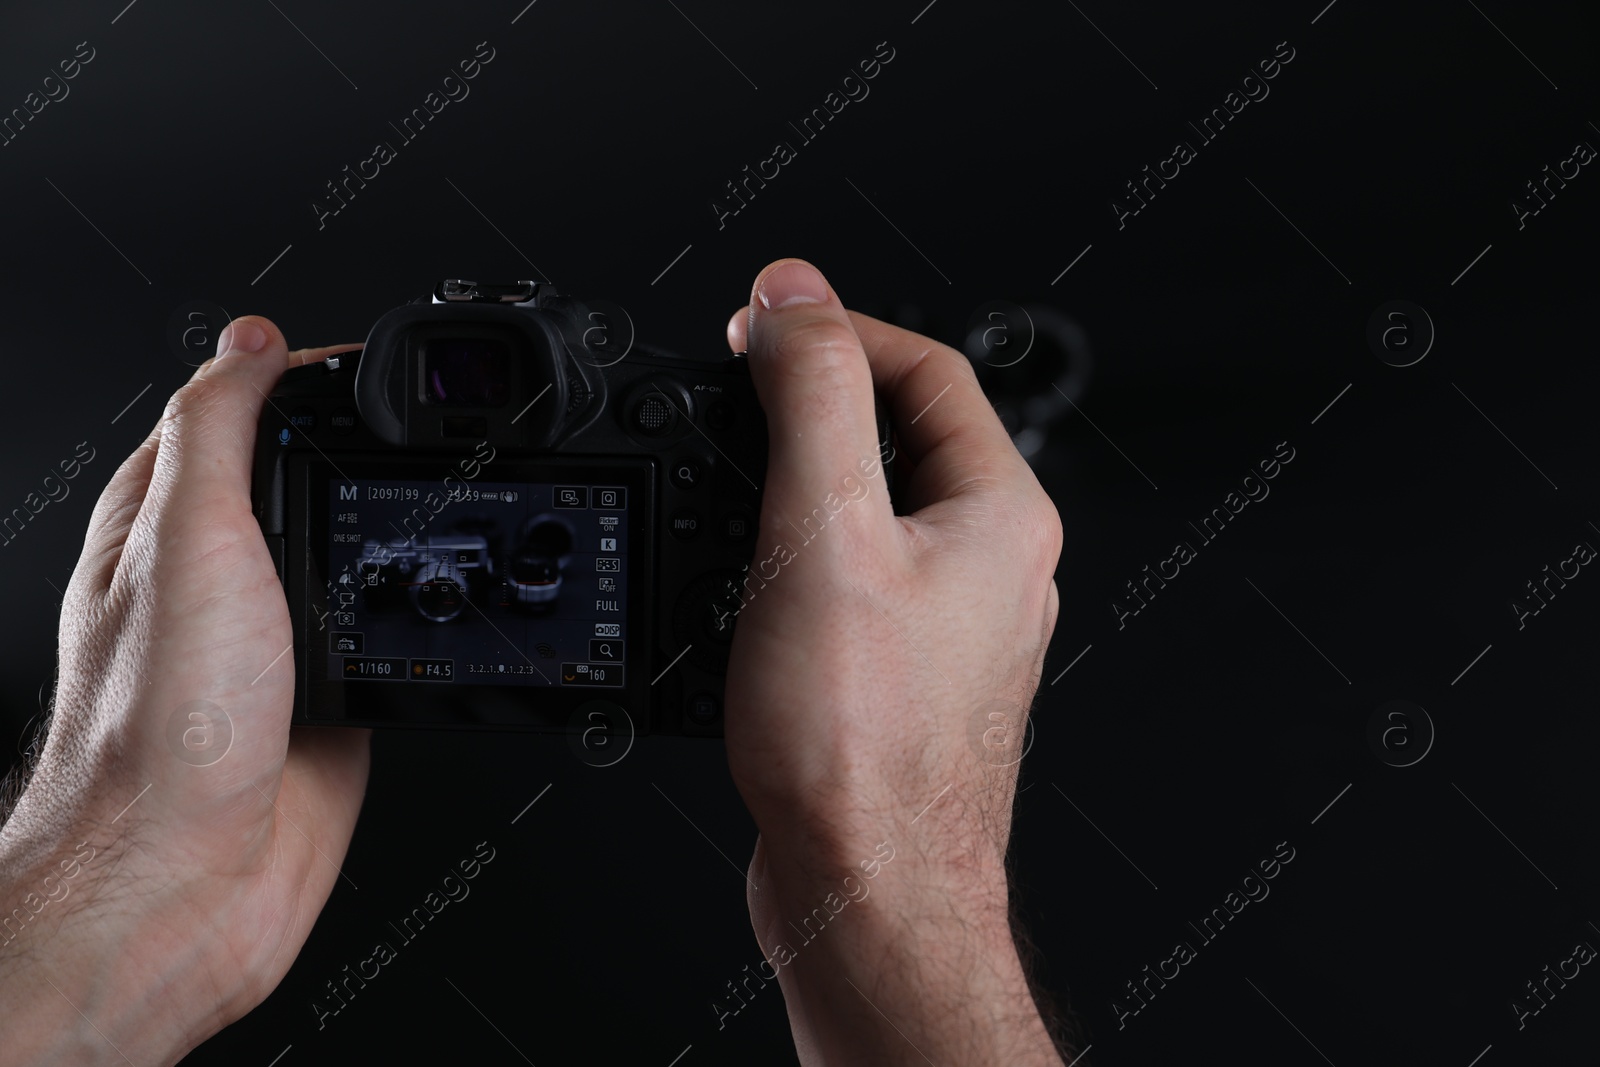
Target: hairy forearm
(82, 1008)
(79, 973)
(951, 996)
(914, 973)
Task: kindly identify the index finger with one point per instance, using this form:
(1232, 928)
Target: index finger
(940, 414)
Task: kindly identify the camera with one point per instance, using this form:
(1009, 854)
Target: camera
(503, 513)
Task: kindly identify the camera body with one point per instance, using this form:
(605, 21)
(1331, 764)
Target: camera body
(504, 514)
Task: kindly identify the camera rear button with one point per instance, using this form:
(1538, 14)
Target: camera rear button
(686, 473)
(655, 416)
(685, 524)
(736, 526)
(342, 421)
(703, 709)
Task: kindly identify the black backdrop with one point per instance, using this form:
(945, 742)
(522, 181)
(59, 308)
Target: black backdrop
(1225, 317)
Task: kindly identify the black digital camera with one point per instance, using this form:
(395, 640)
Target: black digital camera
(505, 514)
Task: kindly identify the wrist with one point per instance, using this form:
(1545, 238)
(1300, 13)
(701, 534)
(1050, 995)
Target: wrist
(81, 996)
(891, 987)
(901, 958)
(98, 964)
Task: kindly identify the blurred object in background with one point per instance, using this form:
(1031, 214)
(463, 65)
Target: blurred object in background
(1033, 362)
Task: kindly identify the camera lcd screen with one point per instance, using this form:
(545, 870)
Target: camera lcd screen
(503, 583)
(467, 372)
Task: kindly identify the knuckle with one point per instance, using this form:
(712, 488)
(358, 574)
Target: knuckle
(196, 396)
(818, 368)
(1045, 532)
(960, 365)
(949, 363)
(1052, 522)
(817, 348)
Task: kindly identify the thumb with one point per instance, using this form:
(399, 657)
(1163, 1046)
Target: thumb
(811, 374)
(208, 432)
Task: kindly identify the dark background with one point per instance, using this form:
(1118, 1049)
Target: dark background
(1212, 727)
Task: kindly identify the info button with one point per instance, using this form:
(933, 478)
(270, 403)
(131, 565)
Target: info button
(685, 524)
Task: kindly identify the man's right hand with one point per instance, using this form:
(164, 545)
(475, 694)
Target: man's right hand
(874, 656)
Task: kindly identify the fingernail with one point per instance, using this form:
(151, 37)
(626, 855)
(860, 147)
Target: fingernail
(241, 335)
(792, 283)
